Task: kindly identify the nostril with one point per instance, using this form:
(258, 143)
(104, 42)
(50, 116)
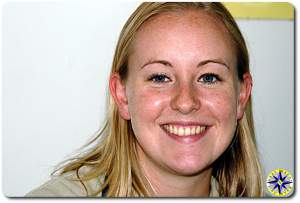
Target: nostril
(185, 101)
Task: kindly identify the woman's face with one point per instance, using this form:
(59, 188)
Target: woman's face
(182, 93)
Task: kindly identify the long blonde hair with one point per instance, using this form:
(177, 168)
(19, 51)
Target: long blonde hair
(113, 154)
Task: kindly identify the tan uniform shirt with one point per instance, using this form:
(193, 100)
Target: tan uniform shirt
(63, 187)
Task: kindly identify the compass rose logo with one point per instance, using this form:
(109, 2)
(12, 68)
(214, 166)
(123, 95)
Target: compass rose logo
(280, 182)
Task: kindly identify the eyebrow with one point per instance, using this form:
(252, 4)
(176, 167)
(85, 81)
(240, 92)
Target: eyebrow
(151, 61)
(202, 63)
(219, 61)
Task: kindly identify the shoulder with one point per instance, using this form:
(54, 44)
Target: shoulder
(65, 186)
(58, 187)
(214, 187)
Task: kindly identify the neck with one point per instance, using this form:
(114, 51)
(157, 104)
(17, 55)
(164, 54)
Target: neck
(166, 184)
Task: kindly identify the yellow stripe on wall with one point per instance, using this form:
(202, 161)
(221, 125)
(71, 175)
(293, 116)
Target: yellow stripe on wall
(260, 10)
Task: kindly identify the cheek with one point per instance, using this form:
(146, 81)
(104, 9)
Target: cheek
(222, 104)
(145, 104)
(145, 107)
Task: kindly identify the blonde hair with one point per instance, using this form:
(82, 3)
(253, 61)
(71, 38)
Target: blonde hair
(114, 155)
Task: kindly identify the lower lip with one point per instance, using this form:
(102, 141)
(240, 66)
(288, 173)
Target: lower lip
(187, 139)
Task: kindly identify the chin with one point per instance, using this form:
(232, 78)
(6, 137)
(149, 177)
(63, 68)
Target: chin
(190, 167)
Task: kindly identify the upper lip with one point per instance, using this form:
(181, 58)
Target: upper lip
(186, 123)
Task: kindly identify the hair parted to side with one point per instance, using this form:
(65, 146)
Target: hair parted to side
(113, 154)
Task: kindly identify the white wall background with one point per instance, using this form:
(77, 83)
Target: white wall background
(56, 59)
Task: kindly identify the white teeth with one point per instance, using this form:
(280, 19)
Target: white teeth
(193, 131)
(175, 131)
(184, 131)
(187, 131)
(198, 129)
(180, 131)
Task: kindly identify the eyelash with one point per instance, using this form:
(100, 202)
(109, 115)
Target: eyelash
(156, 76)
(215, 80)
(161, 78)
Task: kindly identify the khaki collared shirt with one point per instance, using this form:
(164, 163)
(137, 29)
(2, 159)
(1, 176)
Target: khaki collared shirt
(62, 186)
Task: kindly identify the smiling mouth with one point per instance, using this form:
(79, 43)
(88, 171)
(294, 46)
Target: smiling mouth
(183, 131)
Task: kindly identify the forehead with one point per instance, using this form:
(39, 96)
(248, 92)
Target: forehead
(187, 17)
(189, 31)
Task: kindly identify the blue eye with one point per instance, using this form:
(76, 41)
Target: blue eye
(159, 78)
(209, 78)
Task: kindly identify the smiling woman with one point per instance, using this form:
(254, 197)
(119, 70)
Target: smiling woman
(180, 118)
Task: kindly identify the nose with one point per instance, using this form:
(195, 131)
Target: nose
(184, 99)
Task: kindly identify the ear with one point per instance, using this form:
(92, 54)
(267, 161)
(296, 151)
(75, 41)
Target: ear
(244, 94)
(118, 92)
